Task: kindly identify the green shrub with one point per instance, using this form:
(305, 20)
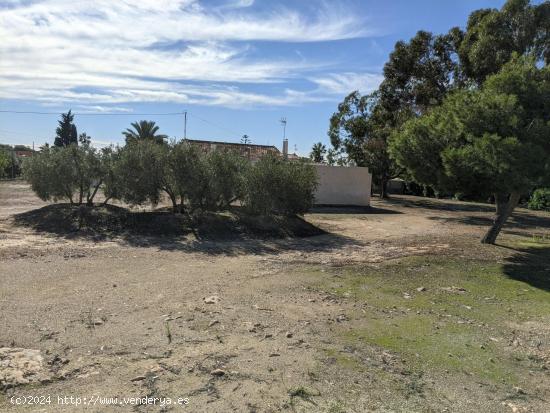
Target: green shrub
(540, 200)
(41, 173)
(187, 172)
(5, 162)
(142, 170)
(226, 171)
(274, 185)
(139, 170)
(112, 187)
(205, 182)
(73, 172)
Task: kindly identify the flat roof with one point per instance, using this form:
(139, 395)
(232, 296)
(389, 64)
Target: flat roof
(232, 143)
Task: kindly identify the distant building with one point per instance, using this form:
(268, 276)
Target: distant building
(24, 154)
(342, 185)
(294, 157)
(247, 150)
(337, 185)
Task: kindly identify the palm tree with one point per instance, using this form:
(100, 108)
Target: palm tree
(143, 130)
(318, 151)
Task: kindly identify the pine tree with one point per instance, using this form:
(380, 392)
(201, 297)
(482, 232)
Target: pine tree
(66, 133)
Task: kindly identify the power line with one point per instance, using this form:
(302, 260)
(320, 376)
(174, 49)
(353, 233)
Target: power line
(215, 125)
(184, 113)
(93, 113)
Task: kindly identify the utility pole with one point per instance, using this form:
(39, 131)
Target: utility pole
(185, 125)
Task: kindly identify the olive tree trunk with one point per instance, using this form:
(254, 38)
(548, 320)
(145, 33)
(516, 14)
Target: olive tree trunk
(504, 207)
(90, 197)
(173, 198)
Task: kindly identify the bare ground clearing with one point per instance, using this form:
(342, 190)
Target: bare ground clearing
(398, 308)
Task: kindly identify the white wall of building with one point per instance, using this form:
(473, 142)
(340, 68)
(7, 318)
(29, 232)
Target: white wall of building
(343, 185)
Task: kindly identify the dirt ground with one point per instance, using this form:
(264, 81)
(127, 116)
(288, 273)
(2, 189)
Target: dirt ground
(395, 308)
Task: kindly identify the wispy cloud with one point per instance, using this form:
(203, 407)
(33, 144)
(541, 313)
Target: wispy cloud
(98, 108)
(344, 83)
(237, 4)
(113, 52)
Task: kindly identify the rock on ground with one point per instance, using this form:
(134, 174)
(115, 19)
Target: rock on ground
(21, 366)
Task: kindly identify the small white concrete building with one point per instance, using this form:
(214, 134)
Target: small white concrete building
(343, 185)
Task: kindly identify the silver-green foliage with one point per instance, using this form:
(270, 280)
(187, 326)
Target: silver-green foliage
(73, 173)
(142, 171)
(274, 185)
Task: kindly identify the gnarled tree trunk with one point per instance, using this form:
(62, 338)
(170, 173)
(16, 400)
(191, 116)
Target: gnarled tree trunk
(504, 207)
(172, 198)
(90, 197)
(81, 195)
(501, 200)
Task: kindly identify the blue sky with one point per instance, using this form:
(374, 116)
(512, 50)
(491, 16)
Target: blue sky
(236, 66)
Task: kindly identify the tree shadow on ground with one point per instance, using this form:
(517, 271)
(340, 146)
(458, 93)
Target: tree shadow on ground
(439, 204)
(530, 265)
(228, 233)
(518, 220)
(246, 246)
(359, 210)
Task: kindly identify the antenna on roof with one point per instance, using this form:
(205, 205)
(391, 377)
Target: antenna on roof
(185, 124)
(283, 122)
(285, 140)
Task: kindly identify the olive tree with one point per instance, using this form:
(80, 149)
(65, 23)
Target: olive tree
(5, 161)
(226, 171)
(139, 172)
(204, 181)
(72, 172)
(112, 186)
(275, 185)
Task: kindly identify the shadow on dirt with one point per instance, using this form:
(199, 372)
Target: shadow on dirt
(226, 233)
(530, 265)
(355, 210)
(439, 204)
(518, 221)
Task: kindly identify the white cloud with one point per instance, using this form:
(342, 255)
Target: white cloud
(237, 4)
(113, 52)
(99, 108)
(345, 83)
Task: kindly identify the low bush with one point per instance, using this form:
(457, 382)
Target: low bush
(226, 172)
(274, 185)
(198, 182)
(74, 173)
(540, 200)
(5, 162)
(138, 173)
